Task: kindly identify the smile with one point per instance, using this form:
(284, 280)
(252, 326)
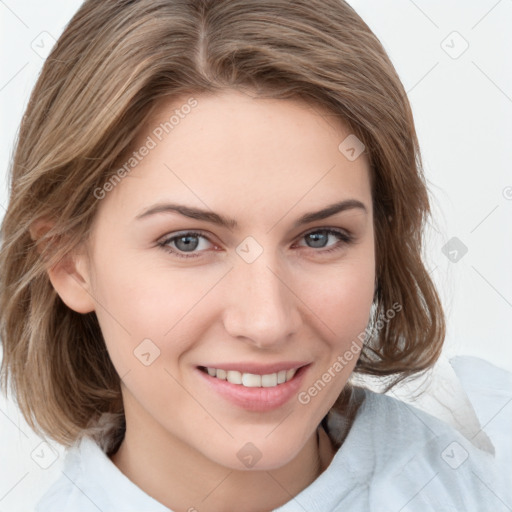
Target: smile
(251, 380)
(271, 388)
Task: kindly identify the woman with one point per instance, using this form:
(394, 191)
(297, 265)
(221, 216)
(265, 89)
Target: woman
(215, 220)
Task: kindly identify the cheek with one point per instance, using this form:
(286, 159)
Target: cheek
(341, 298)
(341, 295)
(138, 301)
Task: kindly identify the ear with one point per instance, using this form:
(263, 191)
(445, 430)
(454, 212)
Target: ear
(70, 276)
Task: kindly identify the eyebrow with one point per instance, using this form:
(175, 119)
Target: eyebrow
(215, 218)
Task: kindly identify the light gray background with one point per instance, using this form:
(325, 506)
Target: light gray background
(462, 106)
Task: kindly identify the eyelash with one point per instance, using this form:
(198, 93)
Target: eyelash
(344, 237)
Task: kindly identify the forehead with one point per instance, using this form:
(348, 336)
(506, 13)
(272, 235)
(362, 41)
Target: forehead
(242, 155)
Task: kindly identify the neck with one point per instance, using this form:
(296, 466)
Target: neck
(182, 479)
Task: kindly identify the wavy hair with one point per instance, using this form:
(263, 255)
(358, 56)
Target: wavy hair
(113, 63)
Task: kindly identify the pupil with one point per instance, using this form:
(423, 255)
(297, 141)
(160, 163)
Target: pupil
(190, 246)
(318, 237)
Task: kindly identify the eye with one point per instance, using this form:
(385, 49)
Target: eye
(185, 242)
(320, 237)
(188, 244)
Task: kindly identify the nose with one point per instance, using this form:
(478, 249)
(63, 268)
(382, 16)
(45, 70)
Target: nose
(262, 306)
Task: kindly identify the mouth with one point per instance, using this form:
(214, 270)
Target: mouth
(261, 390)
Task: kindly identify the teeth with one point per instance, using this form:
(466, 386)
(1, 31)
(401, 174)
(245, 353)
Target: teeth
(267, 381)
(250, 380)
(290, 374)
(234, 377)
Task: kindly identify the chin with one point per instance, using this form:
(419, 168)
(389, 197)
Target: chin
(262, 454)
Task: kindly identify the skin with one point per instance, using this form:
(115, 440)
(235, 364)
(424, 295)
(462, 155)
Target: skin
(263, 162)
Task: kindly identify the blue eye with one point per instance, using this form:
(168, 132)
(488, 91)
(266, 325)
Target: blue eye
(184, 245)
(321, 236)
(185, 242)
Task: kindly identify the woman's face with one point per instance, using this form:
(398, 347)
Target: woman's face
(246, 279)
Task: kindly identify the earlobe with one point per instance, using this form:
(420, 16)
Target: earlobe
(70, 276)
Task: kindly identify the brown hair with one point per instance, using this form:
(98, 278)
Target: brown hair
(101, 82)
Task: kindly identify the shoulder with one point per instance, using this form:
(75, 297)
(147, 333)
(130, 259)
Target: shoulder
(413, 461)
(90, 482)
(64, 493)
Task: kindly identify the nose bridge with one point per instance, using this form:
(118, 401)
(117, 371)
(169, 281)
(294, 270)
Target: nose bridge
(261, 306)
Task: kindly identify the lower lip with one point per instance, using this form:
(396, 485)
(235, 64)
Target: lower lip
(256, 399)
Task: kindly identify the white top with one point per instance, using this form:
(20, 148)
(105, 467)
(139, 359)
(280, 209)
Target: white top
(395, 458)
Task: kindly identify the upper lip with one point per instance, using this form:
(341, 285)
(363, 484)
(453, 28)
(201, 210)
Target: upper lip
(257, 369)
